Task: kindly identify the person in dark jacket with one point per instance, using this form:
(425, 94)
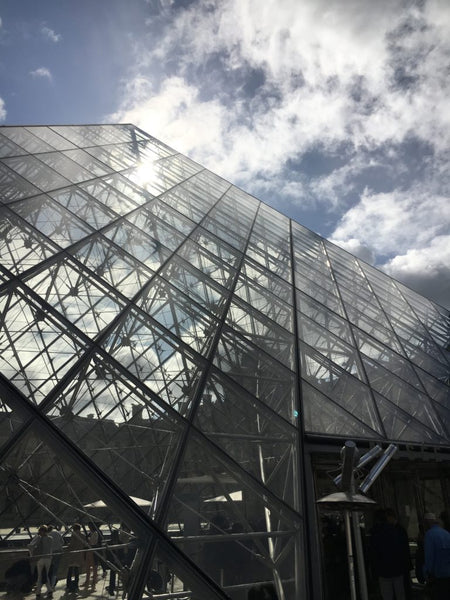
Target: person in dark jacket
(389, 549)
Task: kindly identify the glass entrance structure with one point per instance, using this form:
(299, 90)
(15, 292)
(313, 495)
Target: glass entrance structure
(170, 349)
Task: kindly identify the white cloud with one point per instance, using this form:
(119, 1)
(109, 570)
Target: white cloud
(392, 222)
(426, 269)
(50, 35)
(357, 80)
(42, 72)
(407, 235)
(329, 64)
(2, 110)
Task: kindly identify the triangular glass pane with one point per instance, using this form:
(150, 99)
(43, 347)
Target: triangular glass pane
(177, 313)
(84, 301)
(51, 137)
(252, 435)
(36, 172)
(113, 265)
(257, 372)
(155, 358)
(195, 284)
(109, 197)
(144, 246)
(51, 219)
(21, 246)
(400, 425)
(26, 139)
(218, 514)
(344, 389)
(261, 331)
(95, 213)
(13, 186)
(36, 349)
(325, 417)
(261, 299)
(129, 436)
(407, 398)
(214, 260)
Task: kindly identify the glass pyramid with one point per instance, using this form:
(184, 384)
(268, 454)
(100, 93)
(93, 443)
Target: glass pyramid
(167, 341)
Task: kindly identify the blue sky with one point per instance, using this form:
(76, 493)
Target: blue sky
(335, 112)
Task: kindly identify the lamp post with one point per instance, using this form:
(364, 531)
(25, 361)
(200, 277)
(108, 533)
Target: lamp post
(350, 503)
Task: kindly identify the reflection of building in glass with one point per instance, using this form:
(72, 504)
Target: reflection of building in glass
(192, 358)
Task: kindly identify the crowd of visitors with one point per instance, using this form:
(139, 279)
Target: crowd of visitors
(52, 555)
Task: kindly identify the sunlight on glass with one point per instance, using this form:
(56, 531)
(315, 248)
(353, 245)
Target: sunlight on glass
(145, 173)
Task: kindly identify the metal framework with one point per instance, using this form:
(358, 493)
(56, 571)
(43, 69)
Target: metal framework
(165, 336)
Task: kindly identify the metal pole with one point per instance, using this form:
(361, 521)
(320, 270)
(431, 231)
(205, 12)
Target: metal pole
(360, 557)
(351, 564)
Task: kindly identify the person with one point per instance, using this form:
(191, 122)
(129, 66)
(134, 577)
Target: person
(91, 562)
(40, 547)
(57, 549)
(262, 591)
(114, 556)
(389, 549)
(437, 558)
(77, 544)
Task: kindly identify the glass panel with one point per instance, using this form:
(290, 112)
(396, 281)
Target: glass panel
(265, 302)
(225, 232)
(116, 157)
(36, 350)
(262, 332)
(258, 373)
(325, 417)
(155, 358)
(252, 435)
(88, 162)
(36, 172)
(330, 321)
(331, 346)
(26, 139)
(318, 292)
(407, 398)
(9, 148)
(344, 389)
(223, 519)
(85, 302)
(402, 426)
(83, 205)
(218, 261)
(65, 166)
(52, 138)
(21, 247)
(144, 217)
(175, 311)
(125, 187)
(265, 279)
(108, 196)
(13, 187)
(120, 427)
(90, 135)
(270, 256)
(149, 248)
(113, 265)
(52, 220)
(196, 285)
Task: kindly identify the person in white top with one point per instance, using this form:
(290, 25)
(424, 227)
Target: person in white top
(40, 548)
(57, 550)
(91, 563)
